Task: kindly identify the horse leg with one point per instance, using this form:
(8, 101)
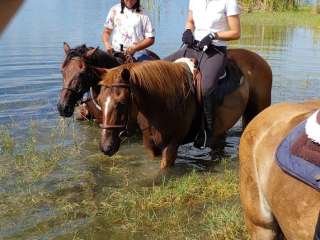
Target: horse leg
(169, 155)
(96, 113)
(263, 232)
(149, 144)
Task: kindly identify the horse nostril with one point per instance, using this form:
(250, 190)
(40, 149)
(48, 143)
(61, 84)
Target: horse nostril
(106, 149)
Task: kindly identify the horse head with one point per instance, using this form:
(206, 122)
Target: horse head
(79, 74)
(115, 99)
(76, 73)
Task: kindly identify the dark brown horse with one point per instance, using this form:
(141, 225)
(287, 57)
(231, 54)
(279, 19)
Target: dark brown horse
(158, 93)
(80, 74)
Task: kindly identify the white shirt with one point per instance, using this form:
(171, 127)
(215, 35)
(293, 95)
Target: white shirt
(211, 16)
(128, 28)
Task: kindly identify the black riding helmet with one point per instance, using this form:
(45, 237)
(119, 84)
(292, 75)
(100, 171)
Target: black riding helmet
(136, 6)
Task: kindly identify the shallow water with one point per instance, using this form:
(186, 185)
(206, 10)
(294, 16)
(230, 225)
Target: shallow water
(31, 52)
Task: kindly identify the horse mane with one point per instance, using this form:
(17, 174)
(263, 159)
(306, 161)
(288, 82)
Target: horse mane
(158, 78)
(100, 58)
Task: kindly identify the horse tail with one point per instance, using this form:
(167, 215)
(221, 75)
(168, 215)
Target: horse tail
(259, 75)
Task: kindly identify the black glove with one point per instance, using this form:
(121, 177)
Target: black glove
(207, 40)
(187, 37)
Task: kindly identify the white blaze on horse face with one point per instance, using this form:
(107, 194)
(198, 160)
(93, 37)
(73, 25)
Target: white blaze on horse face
(106, 107)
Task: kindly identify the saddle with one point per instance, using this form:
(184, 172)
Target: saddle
(227, 83)
(299, 153)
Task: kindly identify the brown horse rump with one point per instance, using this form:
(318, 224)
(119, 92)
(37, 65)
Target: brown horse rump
(299, 156)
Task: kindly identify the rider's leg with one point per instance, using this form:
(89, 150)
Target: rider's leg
(180, 53)
(212, 66)
(141, 56)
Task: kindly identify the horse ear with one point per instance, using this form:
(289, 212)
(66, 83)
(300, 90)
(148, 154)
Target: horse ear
(66, 48)
(125, 75)
(101, 70)
(89, 53)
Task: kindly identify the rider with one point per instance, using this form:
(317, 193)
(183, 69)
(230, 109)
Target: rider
(131, 29)
(209, 25)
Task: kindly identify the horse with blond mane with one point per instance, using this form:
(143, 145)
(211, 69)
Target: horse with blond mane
(277, 205)
(159, 96)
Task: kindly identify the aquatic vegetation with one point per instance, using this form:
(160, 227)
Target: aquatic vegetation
(61, 190)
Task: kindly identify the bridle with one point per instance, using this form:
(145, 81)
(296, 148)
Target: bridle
(125, 126)
(91, 73)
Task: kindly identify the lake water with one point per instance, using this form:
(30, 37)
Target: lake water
(31, 51)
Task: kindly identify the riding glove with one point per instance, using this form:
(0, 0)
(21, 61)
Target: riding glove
(207, 40)
(187, 37)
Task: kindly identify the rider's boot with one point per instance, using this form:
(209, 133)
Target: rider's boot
(209, 106)
(204, 139)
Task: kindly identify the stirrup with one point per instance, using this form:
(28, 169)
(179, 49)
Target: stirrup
(197, 139)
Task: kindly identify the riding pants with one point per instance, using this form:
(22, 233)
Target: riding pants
(211, 64)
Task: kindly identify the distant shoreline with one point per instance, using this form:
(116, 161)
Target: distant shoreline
(304, 17)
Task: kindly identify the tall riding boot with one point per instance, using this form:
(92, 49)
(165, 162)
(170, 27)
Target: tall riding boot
(209, 105)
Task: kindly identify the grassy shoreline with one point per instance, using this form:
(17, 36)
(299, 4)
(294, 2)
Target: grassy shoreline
(303, 17)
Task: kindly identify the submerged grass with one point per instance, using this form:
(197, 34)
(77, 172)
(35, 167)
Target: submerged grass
(196, 206)
(43, 197)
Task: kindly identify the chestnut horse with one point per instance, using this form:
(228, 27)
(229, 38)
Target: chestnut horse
(276, 205)
(160, 95)
(80, 74)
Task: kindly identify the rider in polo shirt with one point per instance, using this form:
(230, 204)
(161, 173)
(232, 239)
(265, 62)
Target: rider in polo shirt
(209, 25)
(131, 29)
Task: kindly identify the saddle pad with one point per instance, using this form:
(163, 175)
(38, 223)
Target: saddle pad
(229, 83)
(295, 166)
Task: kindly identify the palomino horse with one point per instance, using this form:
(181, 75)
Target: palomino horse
(275, 204)
(168, 113)
(80, 74)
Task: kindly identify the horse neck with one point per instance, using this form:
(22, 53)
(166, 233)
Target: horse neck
(152, 106)
(104, 60)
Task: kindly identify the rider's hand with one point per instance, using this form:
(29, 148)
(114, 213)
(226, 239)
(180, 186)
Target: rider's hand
(187, 37)
(108, 48)
(207, 40)
(131, 50)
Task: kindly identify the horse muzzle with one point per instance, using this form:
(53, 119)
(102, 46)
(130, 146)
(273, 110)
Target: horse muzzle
(109, 145)
(65, 110)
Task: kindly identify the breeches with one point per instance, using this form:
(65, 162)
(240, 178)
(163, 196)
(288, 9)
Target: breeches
(211, 64)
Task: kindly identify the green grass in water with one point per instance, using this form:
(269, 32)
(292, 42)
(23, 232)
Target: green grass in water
(198, 205)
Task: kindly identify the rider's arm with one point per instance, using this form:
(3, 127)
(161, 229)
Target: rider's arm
(147, 42)
(106, 39)
(234, 29)
(190, 22)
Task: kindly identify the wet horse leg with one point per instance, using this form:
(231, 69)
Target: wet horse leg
(169, 155)
(149, 144)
